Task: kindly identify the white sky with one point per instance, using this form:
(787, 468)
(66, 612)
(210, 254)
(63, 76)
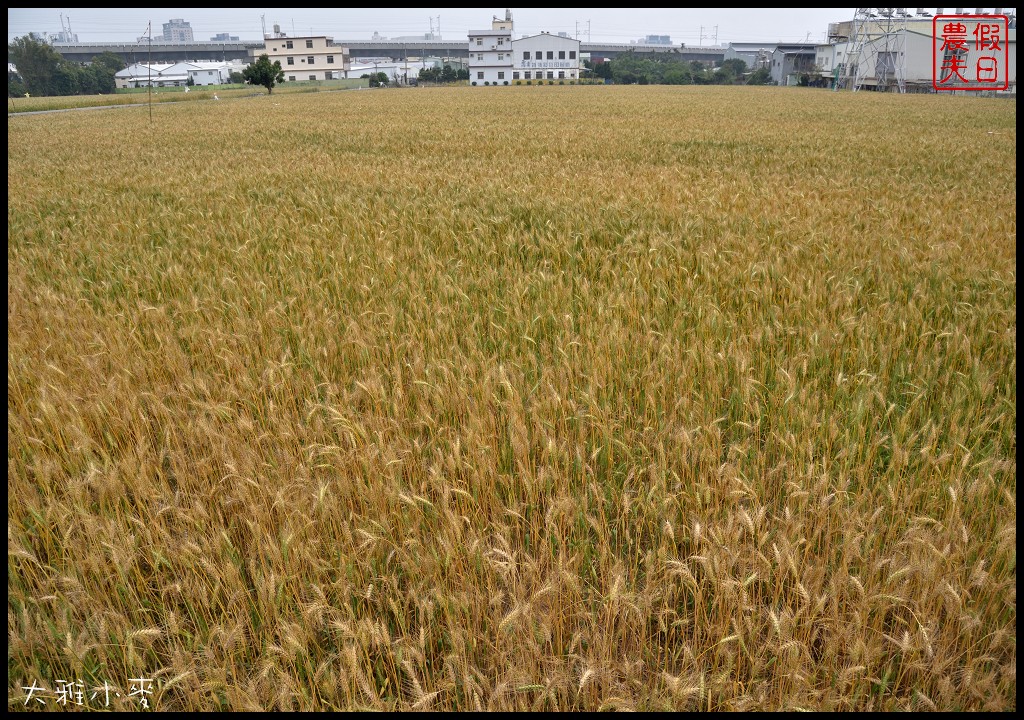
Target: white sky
(606, 24)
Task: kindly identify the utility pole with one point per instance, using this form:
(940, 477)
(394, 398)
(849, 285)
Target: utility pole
(588, 31)
(263, 20)
(150, 71)
(716, 36)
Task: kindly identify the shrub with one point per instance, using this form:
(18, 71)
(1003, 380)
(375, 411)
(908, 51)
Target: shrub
(506, 82)
(551, 82)
(474, 82)
(519, 82)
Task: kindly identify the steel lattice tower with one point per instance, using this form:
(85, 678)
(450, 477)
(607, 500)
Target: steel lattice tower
(878, 48)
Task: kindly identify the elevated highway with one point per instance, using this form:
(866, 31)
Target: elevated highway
(163, 51)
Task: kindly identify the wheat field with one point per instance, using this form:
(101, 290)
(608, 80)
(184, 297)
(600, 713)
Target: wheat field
(539, 398)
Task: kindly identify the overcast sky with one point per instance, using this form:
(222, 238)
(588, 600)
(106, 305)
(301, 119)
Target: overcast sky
(605, 24)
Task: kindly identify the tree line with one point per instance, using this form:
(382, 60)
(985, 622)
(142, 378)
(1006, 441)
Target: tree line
(41, 70)
(628, 69)
(447, 74)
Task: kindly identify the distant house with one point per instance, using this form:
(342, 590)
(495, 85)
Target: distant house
(791, 61)
(755, 55)
(214, 73)
(309, 57)
(176, 74)
(139, 75)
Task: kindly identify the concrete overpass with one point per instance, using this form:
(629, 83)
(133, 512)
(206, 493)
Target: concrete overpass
(164, 51)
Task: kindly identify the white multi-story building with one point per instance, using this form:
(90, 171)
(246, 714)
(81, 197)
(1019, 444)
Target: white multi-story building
(490, 53)
(313, 57)
(496, 59)
(546, 57)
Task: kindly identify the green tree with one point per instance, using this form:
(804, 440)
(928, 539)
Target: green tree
(15, 87)
(37, 64)
(761, 76)
(66, 80)
(101, 71)
(236, 77)
(110, 60)
(677, 75)
(103, 79)
(735, 67)
(263, 72)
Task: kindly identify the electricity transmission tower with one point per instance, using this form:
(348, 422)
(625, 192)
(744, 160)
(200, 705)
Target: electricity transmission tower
(877, 49)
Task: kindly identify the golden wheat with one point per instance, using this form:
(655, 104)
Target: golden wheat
(566, 398)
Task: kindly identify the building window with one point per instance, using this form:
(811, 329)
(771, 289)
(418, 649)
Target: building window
(309, 43)
(310, 60)
(501, 76)
(479, 41)
(330, 59)
(561, 54)
(501, 57)
(551, 54)
(572, 54)
(480, 75)
(539, 56)
(515, 75)
(501, 41)
(312, 77)
(291, 60)
(292, 78)
(561, 74)
(527, 74)
(551, 74)
(526, 54)
(480, 57)
(328, 75)
(289, 44)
